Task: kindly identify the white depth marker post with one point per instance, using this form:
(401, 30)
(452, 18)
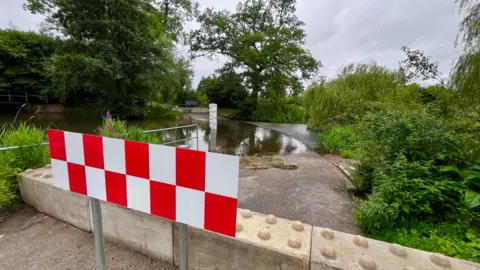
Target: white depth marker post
(212, 116)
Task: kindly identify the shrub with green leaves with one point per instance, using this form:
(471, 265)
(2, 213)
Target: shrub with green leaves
(279, 111)
(417, 135)
(446, 238)
(418, 190)
(338, 139)
(31, 154)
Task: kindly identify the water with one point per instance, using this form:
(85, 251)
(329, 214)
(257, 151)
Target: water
(233, 137)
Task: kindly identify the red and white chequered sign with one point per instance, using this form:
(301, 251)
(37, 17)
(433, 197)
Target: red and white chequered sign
(192, 187)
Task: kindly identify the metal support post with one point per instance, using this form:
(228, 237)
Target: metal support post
(183, 232)
(98, 234)
(197, 137)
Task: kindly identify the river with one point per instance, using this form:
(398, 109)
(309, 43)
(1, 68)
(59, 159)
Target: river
(233, 137)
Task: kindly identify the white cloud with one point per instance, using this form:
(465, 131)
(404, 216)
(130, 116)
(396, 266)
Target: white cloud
(340, 31)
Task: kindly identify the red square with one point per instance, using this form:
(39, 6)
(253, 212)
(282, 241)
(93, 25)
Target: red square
(136, 159)
(162, 200)
(93, 151)
(76, 178)
(116, 188)
(220, 214)
(190, 169)
(56, 140)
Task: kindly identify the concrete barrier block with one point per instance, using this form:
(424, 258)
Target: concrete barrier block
(262, 242)
(337, 250)
(69, 207)
(145, 233)
(27, 188)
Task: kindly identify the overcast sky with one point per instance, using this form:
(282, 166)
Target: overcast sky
(339, 31)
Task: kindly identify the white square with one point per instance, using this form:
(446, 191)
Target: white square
(162, 163)
(114, 155)
(60, 174)
(221, 176)
(74, 148)
(190, 207)
(96, 183)
(138, 194)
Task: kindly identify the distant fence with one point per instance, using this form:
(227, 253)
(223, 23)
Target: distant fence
(17, 97)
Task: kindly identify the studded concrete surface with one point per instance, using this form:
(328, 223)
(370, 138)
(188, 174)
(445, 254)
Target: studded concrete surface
(43, 174)
(337, 250)
(286, 236)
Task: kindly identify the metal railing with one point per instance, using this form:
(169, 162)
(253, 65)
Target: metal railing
(17, 94)
(146, 131)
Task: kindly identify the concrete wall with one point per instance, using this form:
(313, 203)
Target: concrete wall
(263, 241)
(190, 110)
(145, 233)
(49, 108)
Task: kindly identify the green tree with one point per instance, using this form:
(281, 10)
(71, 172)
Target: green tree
(465, 77)
(262, 41)
(224, 88)
(469, 34)
(115, 49)
(175, 77)
(22, 59)
(176, 13)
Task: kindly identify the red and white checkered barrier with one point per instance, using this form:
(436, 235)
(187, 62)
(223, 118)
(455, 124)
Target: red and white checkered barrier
(192, 187)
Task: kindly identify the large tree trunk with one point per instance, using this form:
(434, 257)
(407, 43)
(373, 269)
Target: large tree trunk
(121, 88)
(256, 88)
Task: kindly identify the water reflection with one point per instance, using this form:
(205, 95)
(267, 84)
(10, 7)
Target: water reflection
(238, 138)
(233, 137)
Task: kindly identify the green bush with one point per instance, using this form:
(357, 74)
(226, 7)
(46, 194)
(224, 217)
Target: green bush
(419, 136)
(31, 154)
(279, 111)
(416, 190)
(449, 239)
(352, 94)
(338, 139)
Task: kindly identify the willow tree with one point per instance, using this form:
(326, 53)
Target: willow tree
(262, 41)
(466, 73)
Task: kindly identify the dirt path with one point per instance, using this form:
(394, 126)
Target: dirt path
(314, 193)
(32, 240)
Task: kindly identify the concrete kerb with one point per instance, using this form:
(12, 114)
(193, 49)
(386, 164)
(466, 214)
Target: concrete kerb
(150, 235)
(37, 190)
(262, 241)
(337, 250)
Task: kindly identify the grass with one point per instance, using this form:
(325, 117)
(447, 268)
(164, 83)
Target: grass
(14, 161)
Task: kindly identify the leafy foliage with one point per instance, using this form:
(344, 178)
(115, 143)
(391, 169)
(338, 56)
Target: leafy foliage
(338, 139)
(348, 97)
(118, 129)
(225, 89)
(117, 51)
(268, 110)
(31, 154)
(22, 59)
(449, 239)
